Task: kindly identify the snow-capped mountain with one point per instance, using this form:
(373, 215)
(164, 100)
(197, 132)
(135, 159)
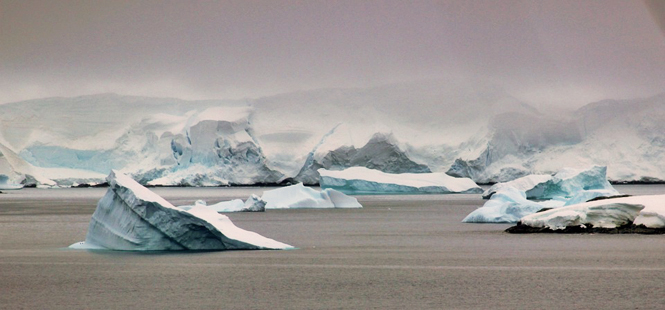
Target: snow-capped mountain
(471, 131)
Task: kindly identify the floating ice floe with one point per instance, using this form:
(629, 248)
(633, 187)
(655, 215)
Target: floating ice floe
(253, 204)
(300, 197)
(564, 184)
(508, 205)
(608, 213)
(361, 180)
(131, 217)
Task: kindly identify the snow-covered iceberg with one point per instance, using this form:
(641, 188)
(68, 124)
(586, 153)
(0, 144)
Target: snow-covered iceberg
(566, 183)
(361, 180)
(648, 211)
(253, 204)
(300, 197)
(131, 217)
(508, 205)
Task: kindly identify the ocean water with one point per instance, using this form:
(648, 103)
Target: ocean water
(398, 252)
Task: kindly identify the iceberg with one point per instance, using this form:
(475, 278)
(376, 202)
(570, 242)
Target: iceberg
(567, 187)
(300, 197)
(130, 217)
(361, 180)
(508, 205)
(253, 204)
(565, 184)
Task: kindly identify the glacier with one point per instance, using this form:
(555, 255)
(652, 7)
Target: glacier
(285, 139)
(130, 217)
(361, 180)
(298, 196)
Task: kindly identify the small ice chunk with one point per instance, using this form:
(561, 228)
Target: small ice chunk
(300, 197)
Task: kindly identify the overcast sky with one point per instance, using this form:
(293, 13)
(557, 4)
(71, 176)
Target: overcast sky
(564, 52)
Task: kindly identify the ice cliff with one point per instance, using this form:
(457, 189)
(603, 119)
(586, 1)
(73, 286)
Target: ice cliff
(132, 218)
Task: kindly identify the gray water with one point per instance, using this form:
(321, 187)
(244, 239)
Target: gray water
(399, 252)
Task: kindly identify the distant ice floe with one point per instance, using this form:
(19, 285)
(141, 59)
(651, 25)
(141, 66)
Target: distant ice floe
(508, 201)
(300, 197)
(361, 180)
(609, 213)
(131, 217)
(253, 204)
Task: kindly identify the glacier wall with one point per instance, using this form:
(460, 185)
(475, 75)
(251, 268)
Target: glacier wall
(478, 132)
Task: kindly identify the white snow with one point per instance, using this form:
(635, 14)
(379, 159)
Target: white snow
(361, 180)
(300, 197)
(131, 217)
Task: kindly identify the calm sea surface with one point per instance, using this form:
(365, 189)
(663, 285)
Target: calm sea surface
(399, 252)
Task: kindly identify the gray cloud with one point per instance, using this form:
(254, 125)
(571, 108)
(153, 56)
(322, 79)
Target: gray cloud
(559, 51)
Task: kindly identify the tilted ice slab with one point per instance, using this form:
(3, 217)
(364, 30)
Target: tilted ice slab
(253, 204)
(508, 205)
(361, 180)
(564, 184)
(131, 217)
(609, 213)
(300, 197)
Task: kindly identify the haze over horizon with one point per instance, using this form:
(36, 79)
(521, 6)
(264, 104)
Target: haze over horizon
(553, 53)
